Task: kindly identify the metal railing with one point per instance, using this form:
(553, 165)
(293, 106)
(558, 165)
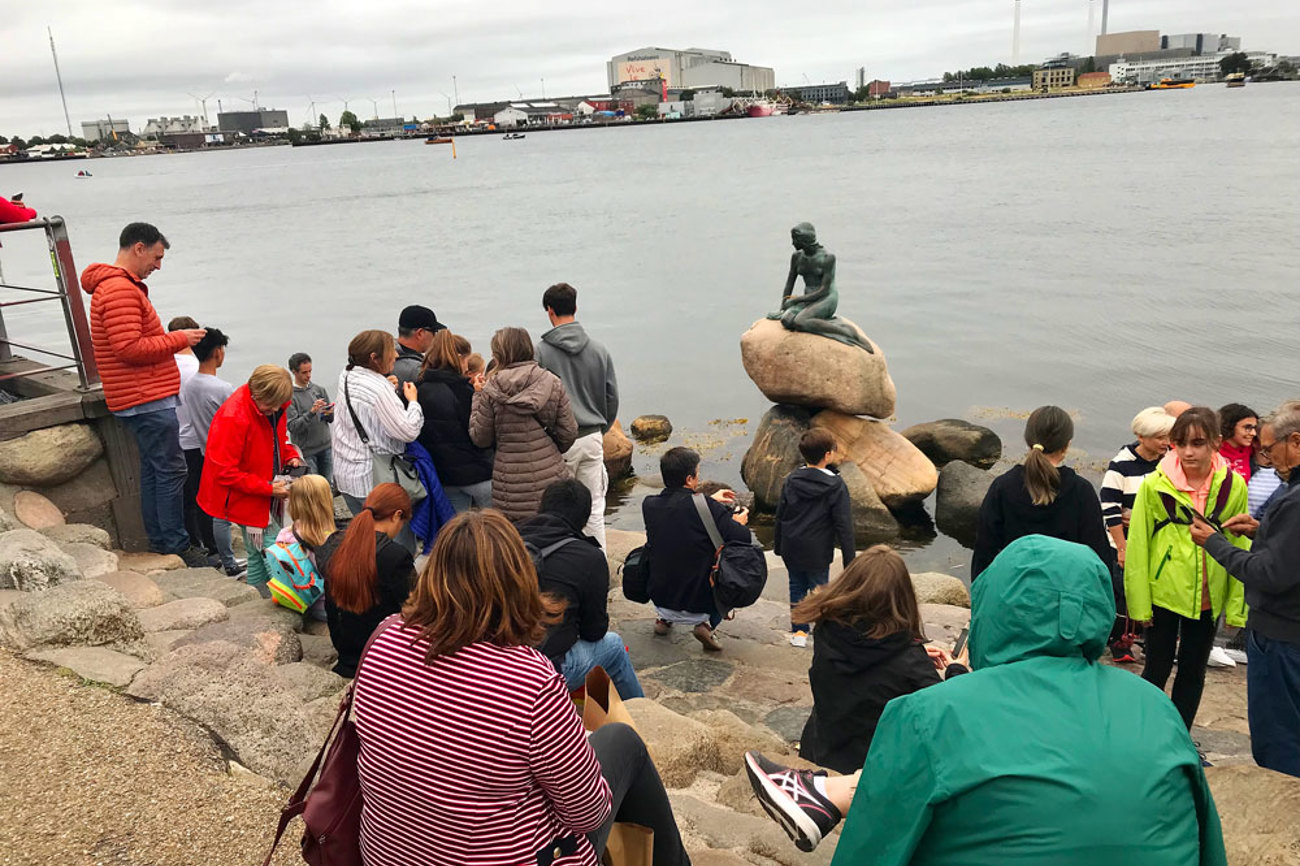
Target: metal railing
(67, 293)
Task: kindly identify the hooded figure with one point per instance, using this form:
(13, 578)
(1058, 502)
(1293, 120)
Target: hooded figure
(1040, 754)
(524, 412)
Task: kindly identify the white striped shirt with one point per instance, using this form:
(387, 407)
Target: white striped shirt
(388, 425)
(478, 759)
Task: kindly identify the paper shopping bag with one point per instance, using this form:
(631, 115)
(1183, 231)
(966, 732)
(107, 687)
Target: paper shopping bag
(629, 845)
(603, 704)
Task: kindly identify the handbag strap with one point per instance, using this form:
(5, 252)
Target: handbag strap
(706, 516)
(298, 802)
(356, 422)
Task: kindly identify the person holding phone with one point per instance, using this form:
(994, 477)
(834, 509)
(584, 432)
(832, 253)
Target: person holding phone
(1172, 587)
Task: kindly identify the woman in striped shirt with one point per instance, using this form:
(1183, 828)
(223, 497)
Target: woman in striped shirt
(471, 752)
(364, 384)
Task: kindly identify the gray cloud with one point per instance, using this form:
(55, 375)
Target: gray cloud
(139, 59)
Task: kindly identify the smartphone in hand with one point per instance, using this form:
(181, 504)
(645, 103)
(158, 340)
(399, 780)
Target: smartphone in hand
(1201, 518)
(961, 642)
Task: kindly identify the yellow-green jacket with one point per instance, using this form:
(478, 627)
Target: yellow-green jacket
(1163, 567)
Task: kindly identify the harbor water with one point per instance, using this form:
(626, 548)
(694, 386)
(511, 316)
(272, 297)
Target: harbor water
(1101, 253)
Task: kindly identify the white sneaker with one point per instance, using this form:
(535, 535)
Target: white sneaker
(1238, 656)
(1219, 658)
(799, 639)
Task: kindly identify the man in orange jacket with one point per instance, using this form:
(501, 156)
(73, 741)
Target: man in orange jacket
(141, 380)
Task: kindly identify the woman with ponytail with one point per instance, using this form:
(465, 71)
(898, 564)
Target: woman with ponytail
(368, 575)
(1040, 496)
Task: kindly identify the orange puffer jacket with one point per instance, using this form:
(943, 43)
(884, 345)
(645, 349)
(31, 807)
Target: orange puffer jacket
(134, 353)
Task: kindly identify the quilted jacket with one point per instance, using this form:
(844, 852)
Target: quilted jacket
(134, 353)
(524, 412)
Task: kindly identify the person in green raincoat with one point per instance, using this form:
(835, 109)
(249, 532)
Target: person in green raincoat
(1040, 755)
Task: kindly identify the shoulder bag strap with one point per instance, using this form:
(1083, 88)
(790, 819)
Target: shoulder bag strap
(1225, 492)
(551, 548)
(298, 802)
(706, 516)
(356, 422)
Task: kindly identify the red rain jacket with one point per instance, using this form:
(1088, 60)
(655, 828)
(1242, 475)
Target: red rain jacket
(244, 452)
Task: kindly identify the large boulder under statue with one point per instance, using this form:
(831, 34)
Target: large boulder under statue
(803, 369)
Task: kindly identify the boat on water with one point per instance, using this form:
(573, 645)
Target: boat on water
(438, 139)
(1236, 79)
(761, 108)
(1172, 84)
(512, 136)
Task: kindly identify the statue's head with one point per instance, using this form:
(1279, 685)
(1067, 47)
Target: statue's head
(803, 235)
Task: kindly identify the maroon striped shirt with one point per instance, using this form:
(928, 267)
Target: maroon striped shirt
(476, 760)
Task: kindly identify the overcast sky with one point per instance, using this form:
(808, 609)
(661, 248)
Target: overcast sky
(137, 59)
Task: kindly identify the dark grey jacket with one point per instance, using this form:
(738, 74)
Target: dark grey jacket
(311, 433)
(1270, 570)
(587, 372)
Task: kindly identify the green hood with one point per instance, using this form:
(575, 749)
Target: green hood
(1041, 597)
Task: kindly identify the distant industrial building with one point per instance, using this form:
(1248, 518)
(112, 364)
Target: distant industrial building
(878, 89)
(103, 130)
(817, 94)
(245, 122)
(1204, 68)
(386, 126)
(1202, 43)
(532, 114)
(1056, 73)
(1129, 42)
(157, 127)
(684, 69)
(937, 87)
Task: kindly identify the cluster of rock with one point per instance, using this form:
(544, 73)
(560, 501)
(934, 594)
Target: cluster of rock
(817, 382)
(57, 471)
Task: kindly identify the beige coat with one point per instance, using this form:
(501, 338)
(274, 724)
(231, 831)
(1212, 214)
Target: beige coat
(524, 413)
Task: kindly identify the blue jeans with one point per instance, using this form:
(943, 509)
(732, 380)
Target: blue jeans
(610, 654)
(162, 479)
(221, 538)
(469, 496)
(1273, 702)
(321, 463)
(801, 583)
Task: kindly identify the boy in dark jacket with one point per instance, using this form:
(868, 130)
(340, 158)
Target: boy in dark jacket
(573, 569)
(814, 513)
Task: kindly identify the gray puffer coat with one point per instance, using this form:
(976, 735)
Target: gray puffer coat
(524, 413)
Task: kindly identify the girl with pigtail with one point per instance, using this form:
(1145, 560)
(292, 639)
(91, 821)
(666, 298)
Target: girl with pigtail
(1040, 496)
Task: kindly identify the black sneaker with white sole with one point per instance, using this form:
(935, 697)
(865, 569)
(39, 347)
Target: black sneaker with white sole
(789, 797)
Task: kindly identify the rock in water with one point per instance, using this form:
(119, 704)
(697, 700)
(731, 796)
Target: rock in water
(871, 517)
(774, 453)
(29, 561)
(651, 428)
(618, 452)
(961, 492)
(935, 588)
(953, 439)
(818, 372)
(899, 473)
(50, 456)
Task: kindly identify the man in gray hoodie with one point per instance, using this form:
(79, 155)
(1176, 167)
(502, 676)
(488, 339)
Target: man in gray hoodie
(587, 372)
(310, 413)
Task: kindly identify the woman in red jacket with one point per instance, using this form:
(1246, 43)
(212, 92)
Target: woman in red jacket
(248, 448)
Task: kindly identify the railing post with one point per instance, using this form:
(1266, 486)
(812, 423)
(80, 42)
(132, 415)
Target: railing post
(74, 312)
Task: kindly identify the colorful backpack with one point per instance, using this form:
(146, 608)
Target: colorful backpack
(295, 583)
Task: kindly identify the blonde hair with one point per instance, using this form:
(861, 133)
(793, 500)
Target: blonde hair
(270, 385)
(474, 363)
(311, 506)
(1152, 421)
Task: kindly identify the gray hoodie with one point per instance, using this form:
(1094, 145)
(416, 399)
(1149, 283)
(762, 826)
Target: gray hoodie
(587, 372)
(311, 433)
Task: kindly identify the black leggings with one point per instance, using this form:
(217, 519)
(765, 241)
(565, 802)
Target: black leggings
(197, 523)
(639, 796)
(1193, 654)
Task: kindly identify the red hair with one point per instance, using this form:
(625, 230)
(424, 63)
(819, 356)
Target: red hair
(352, 571)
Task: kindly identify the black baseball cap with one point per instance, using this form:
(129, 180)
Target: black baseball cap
(416, 316)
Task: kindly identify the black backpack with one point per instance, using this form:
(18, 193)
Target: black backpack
(739, 570)
(636, 575)
(1180, 514)
(539, 554)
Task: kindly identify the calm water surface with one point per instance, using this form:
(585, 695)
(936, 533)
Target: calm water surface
(1102, 253)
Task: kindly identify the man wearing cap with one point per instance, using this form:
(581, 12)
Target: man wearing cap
(415, 329)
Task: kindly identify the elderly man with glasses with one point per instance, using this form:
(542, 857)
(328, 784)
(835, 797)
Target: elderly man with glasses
(1270, 571)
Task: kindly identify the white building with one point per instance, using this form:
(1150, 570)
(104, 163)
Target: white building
(160, 126)
(103, 130)
(1204, 68)
(688, 68)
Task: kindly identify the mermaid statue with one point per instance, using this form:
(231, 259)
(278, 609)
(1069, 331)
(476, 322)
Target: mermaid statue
(814, 311)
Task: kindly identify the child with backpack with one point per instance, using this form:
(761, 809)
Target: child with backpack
(296, 582)
(813, 514)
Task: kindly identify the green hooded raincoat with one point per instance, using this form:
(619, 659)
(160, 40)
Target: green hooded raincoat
(1041, 754)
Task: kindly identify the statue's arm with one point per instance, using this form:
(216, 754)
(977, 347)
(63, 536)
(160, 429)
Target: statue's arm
(790, 278)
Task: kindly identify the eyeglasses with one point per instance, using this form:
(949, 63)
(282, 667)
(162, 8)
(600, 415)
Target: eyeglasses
(1268, 449)
(1249, 428)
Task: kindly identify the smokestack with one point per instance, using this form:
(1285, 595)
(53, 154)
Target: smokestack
(1015, 38)
(1105, 15)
